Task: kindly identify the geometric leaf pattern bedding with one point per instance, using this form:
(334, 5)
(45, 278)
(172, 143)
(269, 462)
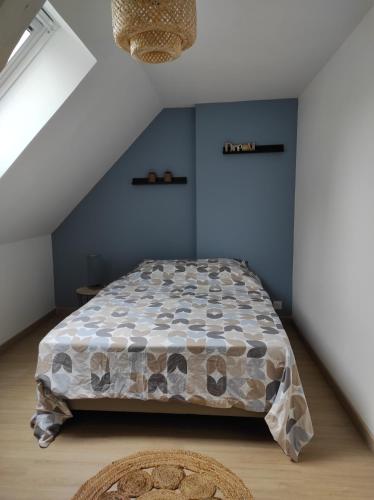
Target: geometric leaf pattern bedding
(201, 332)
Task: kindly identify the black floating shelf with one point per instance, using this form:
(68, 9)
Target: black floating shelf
(143, 181)
(271, 148)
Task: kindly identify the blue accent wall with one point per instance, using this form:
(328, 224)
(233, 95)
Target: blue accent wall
(245, 203)
(126, 223)
(234, 206)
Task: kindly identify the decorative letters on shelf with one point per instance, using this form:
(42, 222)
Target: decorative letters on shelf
(251, 147)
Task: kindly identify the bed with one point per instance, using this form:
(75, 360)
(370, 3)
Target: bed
(187, 336)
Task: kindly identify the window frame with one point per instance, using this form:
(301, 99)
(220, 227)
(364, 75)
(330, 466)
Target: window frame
(42, 27)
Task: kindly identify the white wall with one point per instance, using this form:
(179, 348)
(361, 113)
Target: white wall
(26, 284)
(333, 284)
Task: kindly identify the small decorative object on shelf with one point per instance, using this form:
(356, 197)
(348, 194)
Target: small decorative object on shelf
(152, 177)
(251, 147)
(168, 177)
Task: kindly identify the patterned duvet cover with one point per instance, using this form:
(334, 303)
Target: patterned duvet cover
(202, 331)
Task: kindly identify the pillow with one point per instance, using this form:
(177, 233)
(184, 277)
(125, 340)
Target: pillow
(225, 271)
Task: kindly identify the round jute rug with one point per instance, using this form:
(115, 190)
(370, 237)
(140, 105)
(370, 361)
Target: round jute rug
(164, 475)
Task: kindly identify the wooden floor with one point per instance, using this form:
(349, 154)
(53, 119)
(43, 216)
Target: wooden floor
(337, 464)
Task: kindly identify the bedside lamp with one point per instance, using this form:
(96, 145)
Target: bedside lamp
(94, 270)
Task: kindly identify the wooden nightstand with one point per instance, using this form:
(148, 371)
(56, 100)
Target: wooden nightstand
(86, 293)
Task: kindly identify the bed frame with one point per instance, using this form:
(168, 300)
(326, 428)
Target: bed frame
(173, 407)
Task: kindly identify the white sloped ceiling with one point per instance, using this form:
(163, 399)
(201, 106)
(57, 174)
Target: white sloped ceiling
(96, 124)
(246, 49)
(14, 19)
(257, 49)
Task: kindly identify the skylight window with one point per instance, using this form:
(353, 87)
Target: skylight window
(45, 68)
(22, 40)
(30, 43)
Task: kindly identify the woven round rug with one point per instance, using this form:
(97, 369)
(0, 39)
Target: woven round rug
(164, 475)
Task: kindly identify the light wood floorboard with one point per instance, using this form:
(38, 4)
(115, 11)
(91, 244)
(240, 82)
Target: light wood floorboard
(336, 465)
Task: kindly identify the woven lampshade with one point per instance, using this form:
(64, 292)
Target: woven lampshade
(154, 31)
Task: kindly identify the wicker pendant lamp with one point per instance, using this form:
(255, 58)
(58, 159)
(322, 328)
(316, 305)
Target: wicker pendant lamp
(154, 31)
